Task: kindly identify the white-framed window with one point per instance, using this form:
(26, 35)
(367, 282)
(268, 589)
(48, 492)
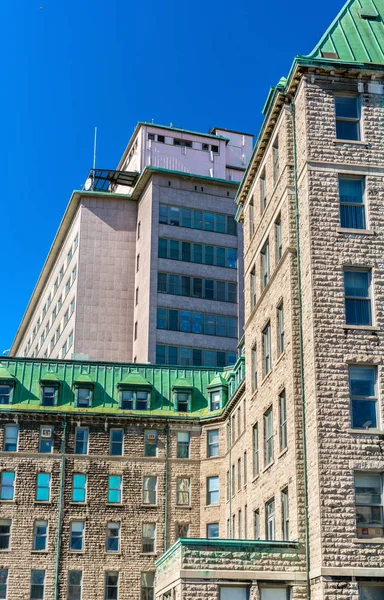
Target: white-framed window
(347, 109)
(270, 519)
(256, 524)
(46, 439)
(285, 514)
(212, 530)
(11, 436)
(114, 489)
(183, 491)
(213, 442)
(112, 541)
(364, 396)
(116, 442)
(76, 536)
(40, 535)
(369, 504)
(254, 368)
(43, 487)
(83, 396)
(215, 399)
(263, 191)
(37, 584)
(280, 329)
(267, 357)
(255, 444)
(149, 489)
(265, 271)
(278, 239)
(5, 534)
(148, 538)
(81, 440)
(183, 442)
(134, 399)
(213, 493)
(150, 442)
(275, 159)
(253, 288)
(111, 585)
(371, 591)
(147, 585)
(352, 205)
(358, 301)
(74, 585)
(268, 437)
(79, 487)
(7, 485)
(283, 420)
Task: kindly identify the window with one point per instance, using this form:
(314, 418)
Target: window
(83, 396)
(174, 355)
(116, 442)
(79, 483)
(233, 480)
(138, 230)
(182, 531)
(178, 320)
(134, 399)
(114, 489)
(254, 368)
(280, 329)
(183, 444)
(367, 591)
(212, 442)
(73, 275)
(369, 504)
(182, 143)
(137, 263)
(268, 437)
(135, 331)
(274, 593)
(267, 358)
(5, 394)
(213, 490)
(275, 158)
(234, 592)
(149, 490)
(5, 535)
(209, 289)
(238, 474)
(49, 395)
(278, 239)
(111, 586)
(112, 543)
(76, 538)
(283, 420)
(43, 487)
(46, 439)
(347, 117)
(3, 583)
(357, 289)
(215, 399)
(183, 401)
(74, 585)
(251, 218)
(253, 288)
(265, 264)
(147, 586)
(197, 253)
(81, 440)
(37, 584)
(148, 537)
(270, 519)
(263, 191)
(40, 535)
(256, 524)
(7, 485)
(352, 210)
(239, 526)
(245, 468)
(183, 491)
(212, 530)
(285, 514)
(363, 394)
(11, 434)
(150, 443)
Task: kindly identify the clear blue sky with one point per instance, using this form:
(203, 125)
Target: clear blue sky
(71, 65)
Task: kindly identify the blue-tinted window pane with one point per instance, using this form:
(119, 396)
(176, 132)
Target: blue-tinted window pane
(197, 253)
(174, 216)
(186, 217)
(163, 245)
(209, 221)
(161, 355)
(7, 485)
(347, 130)
(172, 355)
(186, 251)
(209, 289)
(220, 257)
(162, 282)
(356, 283)
(209, 358)
(43, 487)
(197, 219)
(185, 356)
(232, 258)
(352, 217)
(185, 286)
(351, 190)
(221, 326)
(220, 359)
(114, 489)
(173, 320)
(161, 318)
(213, 530)
(347, 107)
(209, 255)
(197, 357)
(209, 324)
(174, 284)
(197, 323)
(174, 249)
(78, 488)
(163, 214)
(220, 223)
(364, 413)
(231, 358)
(352, 214)
(358, 312)
(362, 381)
(185, 321)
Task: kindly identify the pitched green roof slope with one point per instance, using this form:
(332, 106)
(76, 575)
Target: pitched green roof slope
(356, 35)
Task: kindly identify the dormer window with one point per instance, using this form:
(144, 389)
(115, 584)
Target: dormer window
(6, 392)
(182, 395)
(84, 397)
(183, 401)
(48, 395)
(215, 398)
(134, 392)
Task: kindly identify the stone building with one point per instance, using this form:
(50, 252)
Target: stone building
(146, 265)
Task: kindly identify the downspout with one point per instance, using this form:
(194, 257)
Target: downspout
(166, 487)
(60, 510)
(230, 477)
(301, 354)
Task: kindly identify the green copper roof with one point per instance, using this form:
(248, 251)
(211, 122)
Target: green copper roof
(84, 378)
(4, 373)
(135, 379)
(356, 35)
(218, 381)
(181, 382)
(49, 376)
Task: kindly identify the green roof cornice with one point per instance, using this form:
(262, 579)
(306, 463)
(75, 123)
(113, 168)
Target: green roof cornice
(182, 383)
(83, 378)
(218, 381)
(136, 380)
(5, 374)
(49, 376)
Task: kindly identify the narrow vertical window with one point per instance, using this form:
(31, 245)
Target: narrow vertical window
(245, 468)
(253, 288)
(149, 489)
(255, 437)
(183, 444)
(233, 481)
(251, 218)
(43, 487)
(238, 474)
(280, 329)
(183, 491)
(347, 117)
(3, 583)
(285, 514)
(138, 230)
(138, 261)
(268, 437)
(116, 442)
(265, 263)
(263, 191)
(364, 396)
(150, 443)
(5, 534)
(79, 483)
(112, 542)
(137, 294)
(7, 485)
(213, 490)
(135, 334)
(81, 440)
(270, 519)
(254, 368)
(239, 525)
(114, 489)
(352, 209)
(212, 442)
(74, 585)
(76, 538)
(276, 163)
(256, 524)
(147, 586)
(283, 420)
(111, 586)
(37, 584)
(40, 534)
(245, 522)
(369, 504)
(358, 302)
(148, 537)
(267, 359)
(11, 434)
(278, 239)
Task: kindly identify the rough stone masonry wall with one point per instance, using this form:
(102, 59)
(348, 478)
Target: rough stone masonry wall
(96, 512)
(341, 451)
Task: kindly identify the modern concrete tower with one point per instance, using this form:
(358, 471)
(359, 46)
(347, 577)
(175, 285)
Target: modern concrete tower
(147, 263)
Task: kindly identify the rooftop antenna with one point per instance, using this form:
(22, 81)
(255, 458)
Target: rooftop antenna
(94, 149)
(89, 184)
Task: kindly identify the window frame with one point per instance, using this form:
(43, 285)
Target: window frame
(368, 299)
(147, 491)
(212, 446)
(110, 527)
(210, 492)
(268, 437)
(37, 536)
(180, 491)
(149, 540)
(362, 205)
(270, 519)
(84, 442)
(15, 439)
(364, 398)
(5, 536)
(7, 486)
(283, 421)
(74, 535)
(33, 593)
(343, 119)
(112, 489)
(40, 488)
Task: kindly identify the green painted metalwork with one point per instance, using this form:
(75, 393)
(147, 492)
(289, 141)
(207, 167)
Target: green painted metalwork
(356, 35)
(5, 374)
(218, 381)
(29, 374)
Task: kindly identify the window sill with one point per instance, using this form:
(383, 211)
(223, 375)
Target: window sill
(39, 502)
(268, 466)
(280, 358)
(357, 142)
(355, 231)
(39, 551)
(73, 503)
(5, 501)
(149, 505)
(256, 478)
(6, 550)
(188, 507)
(283, 452)
(143, 553)
(361, 327)
(266, 377)
(213, 505)
(116, 504)
(366, 431)
(368, 540)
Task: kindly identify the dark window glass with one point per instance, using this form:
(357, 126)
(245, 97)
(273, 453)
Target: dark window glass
(172, 355)
(186, 217)
(185, 286)
(197, 323)
(208, 255)
(352, 214)
(220, 257)
(174, 216)
(220, 291)
(209, 289)
(197, 288)
(173, 320)
(186, 251)
(161, 318)
(357, 297)
(163, 245)
(220, 223)
(174, 249)
(174, 284)
(185, 321)
(197, 253)
(209, 222)
(197, 219)
(161, 355)
(197, 357)
(163, 214)
(162, 282)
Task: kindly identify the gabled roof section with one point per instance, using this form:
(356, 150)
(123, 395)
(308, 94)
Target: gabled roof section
(84, 378)
(218, 381)
(181, 382)
(356, 35)
(135, 379)
(5, 375)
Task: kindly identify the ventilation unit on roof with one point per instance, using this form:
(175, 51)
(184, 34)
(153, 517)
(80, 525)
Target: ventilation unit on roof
(329, 54)
(368, 14)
